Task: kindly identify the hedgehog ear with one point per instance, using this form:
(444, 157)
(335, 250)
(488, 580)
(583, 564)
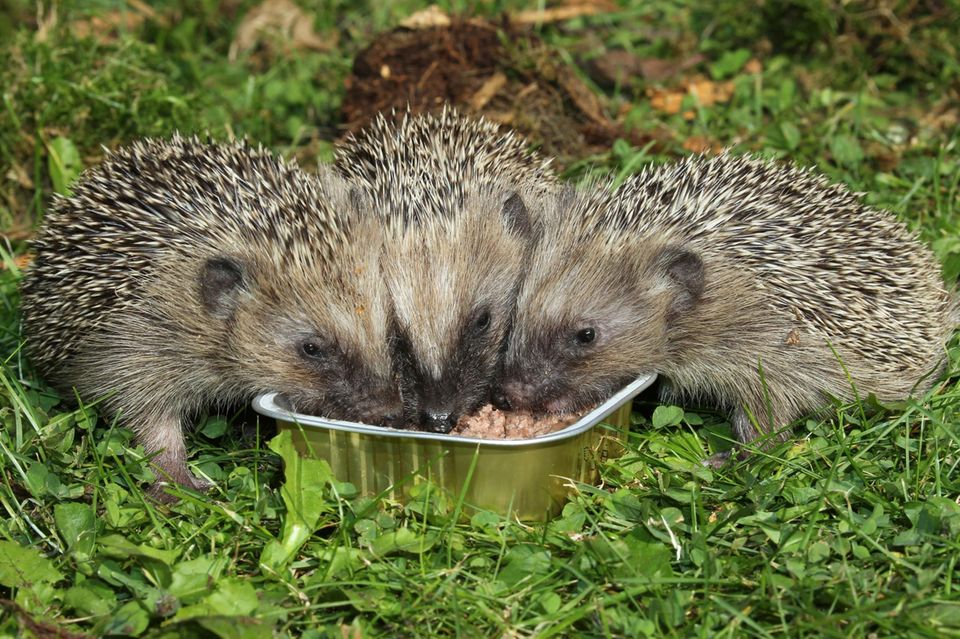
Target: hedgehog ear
(684, 269)
(516, 216)
(222, 280)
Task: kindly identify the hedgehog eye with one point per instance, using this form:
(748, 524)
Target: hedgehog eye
(310, 349)
(481, 321)
(586, 335)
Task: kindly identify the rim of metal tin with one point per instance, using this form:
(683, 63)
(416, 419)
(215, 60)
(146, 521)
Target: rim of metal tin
(266, 404)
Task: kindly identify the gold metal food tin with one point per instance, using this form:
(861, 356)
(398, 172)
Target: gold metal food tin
(525, 478)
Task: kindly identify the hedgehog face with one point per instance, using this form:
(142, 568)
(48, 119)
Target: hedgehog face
(591, 317)
(316, 332)
(440, 184)
(453, 282)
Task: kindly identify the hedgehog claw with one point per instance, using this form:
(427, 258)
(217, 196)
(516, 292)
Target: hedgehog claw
(717, 460)
(158, 493)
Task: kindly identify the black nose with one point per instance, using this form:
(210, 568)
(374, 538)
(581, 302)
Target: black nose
(437, 422)
(499, 399)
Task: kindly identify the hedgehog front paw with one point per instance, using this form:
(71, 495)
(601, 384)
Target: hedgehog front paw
(158, 489)
(171, 469)
(717, 460)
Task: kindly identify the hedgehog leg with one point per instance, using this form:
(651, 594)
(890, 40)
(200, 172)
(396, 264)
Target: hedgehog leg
(743, 431)
(163, 440)
(744, 428)
(717, 460)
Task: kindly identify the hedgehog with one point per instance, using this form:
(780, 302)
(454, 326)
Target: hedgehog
(183, 275)
(458, 199)
(756, 287)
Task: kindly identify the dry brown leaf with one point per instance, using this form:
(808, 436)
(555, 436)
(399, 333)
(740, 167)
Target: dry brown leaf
(709, 93)
(18, 233)
(23, 261)
(506, 118)
(45, 23)
(527, 90)
(18, 174)
(656, 70)
(701, 144)
(615, 67)
(105, 27)
(146, 10)
(885, 158)
(753, 66)
(943, 116)
(350, 632)
(280, 20)
(705, 91)
(559, 14)
(20, 261)
(485, 93)
(432, 16)
(668, 101)
(585, 99)
(619, 66)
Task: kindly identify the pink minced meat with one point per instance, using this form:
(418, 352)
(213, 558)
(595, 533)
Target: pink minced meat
(492, 423)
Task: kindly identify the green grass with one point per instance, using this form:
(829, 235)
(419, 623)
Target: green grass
(851, 530)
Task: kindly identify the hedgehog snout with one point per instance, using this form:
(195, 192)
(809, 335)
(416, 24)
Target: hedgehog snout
(499, 399)
(515, 394)
(383, 407)
(441, 401)
(438, 421)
